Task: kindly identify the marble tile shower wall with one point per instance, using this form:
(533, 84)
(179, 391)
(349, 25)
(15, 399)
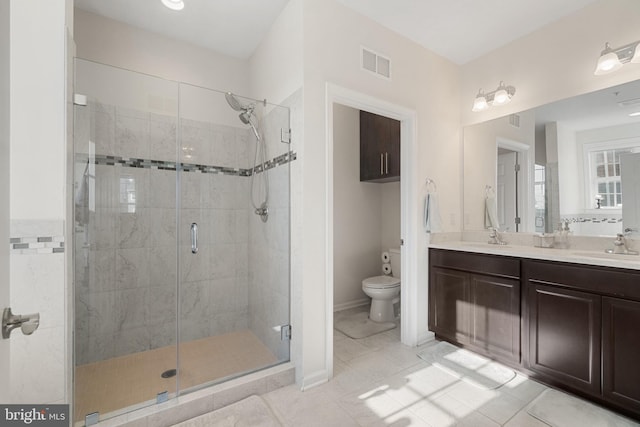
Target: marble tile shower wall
(269, 290)
(126, 268)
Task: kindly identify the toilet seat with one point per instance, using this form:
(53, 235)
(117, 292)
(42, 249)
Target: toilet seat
(381, 282)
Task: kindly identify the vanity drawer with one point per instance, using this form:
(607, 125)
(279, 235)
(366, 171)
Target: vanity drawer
(487, 264)
(600, 280)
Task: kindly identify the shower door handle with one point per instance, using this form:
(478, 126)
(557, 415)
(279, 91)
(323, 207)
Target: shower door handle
(194, 238)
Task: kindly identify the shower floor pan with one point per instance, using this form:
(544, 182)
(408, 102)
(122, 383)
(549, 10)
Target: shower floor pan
(110, 385)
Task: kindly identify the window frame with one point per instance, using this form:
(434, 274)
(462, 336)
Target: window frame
(590, 179)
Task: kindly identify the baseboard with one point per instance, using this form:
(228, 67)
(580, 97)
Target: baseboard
(351, 304)
(315, 379)
(425, 337)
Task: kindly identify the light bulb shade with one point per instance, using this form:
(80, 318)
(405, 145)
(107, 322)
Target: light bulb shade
(480, 103)
(636, 55)
(607, 63)
(173, 4)
(501, 97)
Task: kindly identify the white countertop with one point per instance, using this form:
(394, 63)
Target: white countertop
(576, 256)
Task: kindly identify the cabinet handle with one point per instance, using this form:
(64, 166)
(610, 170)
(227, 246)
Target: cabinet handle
(381, 164)
(386, 163)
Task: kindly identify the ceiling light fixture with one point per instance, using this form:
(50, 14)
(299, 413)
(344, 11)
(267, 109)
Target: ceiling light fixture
(613, 59)
(173, 4)
(500, 96)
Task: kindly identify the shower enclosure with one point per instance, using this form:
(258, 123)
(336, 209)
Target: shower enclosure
(181, 238)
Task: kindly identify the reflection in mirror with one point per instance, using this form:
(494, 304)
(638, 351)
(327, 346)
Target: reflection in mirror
(565, 161)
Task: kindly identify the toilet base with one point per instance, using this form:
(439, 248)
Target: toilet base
(381, 311)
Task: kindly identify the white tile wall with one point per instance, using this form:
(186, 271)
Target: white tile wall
(37, 286)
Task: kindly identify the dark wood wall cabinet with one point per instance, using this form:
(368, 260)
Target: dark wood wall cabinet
(571, 326)
(379, 148)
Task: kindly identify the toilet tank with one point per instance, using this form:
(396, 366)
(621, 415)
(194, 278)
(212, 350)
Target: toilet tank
(396, 263)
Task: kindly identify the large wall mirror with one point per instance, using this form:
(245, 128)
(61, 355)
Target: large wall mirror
(575, 161)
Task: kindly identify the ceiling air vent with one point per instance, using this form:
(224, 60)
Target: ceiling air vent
(514, 120)
(376, 63)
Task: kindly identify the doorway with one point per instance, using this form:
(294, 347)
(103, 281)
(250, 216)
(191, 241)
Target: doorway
(513, 195)
(409, 194)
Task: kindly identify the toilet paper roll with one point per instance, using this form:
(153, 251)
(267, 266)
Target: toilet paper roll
(385, 257)
(386, 268)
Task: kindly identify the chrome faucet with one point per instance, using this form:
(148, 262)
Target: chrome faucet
(495, 238)
(620, 246)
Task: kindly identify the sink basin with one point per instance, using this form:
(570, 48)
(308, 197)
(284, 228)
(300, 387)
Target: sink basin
(604, 255)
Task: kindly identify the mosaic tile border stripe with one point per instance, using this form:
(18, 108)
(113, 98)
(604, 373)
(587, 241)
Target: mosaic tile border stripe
(105, 160)
(36, 245)
(595, 220)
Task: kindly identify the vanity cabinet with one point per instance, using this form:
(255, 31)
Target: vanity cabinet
(582, 328)
(474, 300)
(564, 336)
(578, 323)
(379, 148)
(621, 352)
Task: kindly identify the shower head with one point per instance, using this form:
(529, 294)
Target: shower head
(234, 103)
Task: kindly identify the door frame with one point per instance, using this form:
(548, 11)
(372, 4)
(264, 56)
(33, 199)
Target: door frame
(526, 206)
(4, 190)
(409, 197)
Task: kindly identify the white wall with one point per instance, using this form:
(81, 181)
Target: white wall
(366, 215)
(391, 215)
(38, 134)
(275, 68)
(4, 186)
(110, 42)
(555, 62)
(421, 81)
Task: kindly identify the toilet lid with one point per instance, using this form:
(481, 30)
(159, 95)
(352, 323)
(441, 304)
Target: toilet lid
(381, 282)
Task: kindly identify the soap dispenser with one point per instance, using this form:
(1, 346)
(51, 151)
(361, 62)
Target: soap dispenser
(562, 235)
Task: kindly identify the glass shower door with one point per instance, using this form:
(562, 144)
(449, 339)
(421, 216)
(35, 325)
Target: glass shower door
(234, 289)
(125, 256)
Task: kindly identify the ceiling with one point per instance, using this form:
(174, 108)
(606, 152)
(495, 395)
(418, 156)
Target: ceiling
(603, 108)
(231, 27)
(460, 30)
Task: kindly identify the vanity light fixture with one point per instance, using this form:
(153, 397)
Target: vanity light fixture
(500, 96)
(173, 4)
(613, 59)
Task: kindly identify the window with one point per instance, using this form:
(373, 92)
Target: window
(605, 169)
(602, 161)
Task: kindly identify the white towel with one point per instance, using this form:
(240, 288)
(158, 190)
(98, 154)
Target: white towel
(490, 213)
(431, 213)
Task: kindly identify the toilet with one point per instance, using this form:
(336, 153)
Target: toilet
(384, 290)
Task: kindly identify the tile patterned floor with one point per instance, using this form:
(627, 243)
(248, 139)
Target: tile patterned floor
(380, 382)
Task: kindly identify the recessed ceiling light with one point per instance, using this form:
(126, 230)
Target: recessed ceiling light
(174, 4)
